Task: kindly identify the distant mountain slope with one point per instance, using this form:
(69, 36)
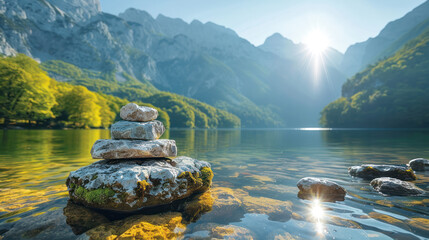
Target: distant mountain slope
(203, 61)
(387, 42)
(285, 48)
(391, 93)
(182, 111)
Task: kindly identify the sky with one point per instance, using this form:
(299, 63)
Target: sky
(343, 22)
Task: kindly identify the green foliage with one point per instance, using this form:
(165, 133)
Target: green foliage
(179, 111)
(24, 90)
(28, 93)
(391, 93)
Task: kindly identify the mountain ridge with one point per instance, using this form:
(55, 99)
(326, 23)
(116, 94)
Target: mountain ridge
(208, 62)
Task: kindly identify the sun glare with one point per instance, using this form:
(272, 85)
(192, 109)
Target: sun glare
(316, 42)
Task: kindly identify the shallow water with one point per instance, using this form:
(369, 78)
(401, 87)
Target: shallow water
(265, 163)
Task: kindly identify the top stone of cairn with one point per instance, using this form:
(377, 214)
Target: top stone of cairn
(135, 113)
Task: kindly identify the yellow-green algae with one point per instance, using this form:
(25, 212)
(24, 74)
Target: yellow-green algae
(97, 196)
(143, 185)
(159, 226)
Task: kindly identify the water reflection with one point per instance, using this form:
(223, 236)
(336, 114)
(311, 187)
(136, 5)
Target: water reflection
(318, 214)
(259, 167)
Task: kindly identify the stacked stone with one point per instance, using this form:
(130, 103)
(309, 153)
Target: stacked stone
(137, 171)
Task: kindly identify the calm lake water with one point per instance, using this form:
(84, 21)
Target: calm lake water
(265, 163)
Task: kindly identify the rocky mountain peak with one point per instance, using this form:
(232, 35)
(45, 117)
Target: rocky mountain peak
(79, 10)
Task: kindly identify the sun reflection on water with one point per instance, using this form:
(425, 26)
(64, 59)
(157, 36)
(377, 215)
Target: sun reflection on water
(317, 215)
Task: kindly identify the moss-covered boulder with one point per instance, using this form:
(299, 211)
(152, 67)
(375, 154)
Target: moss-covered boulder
(371, 171)
(128, 185)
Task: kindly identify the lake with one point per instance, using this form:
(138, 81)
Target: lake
(265, 164)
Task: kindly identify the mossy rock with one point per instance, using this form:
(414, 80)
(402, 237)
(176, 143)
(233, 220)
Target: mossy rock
(129, 185)
(371, 171)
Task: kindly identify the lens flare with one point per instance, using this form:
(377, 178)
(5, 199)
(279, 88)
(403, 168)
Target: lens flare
(316, 44)
(317, 213)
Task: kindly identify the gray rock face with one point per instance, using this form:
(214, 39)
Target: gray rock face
(419, 164)
(322, 189)
(127, 185)
(131, 149)
(136, 130)
(136, 113)
(395, 187)
(371, 171)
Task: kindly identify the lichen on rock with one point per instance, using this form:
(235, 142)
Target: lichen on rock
(371, 171)
(128, 185)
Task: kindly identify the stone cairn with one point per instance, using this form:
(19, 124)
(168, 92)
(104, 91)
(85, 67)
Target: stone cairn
(139, 170)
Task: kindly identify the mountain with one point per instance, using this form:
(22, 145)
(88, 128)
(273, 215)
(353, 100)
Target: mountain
(203, 61)
(390, 93)
(285, 48)
(393, 36)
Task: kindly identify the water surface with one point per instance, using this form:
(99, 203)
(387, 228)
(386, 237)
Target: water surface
(265, 163)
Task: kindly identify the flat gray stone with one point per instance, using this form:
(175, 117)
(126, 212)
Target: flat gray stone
(395, 187)
(136, 113)
(131, 149)
(371, 171)
(128, 185)
(419, 164)
(322, 189)
(137, 130)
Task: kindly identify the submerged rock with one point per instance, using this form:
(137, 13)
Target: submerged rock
(81, 219)
(159, 226)
(128, 185)
(136, 113)
(218, 205)
(371, 171)
(131, 149)
(276, 210)
(395, 187)
(322, 189)
(137, 130)
(219, 231)
(419, 164)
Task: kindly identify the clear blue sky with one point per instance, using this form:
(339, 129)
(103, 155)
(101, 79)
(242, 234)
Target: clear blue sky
(343, 21)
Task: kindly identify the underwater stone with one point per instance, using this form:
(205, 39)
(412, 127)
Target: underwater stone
(128, 185)
(136, 113)
(395, 187)
(322, 189)
(131, 149)
(419, 164)
(167, 225)
(371, 171)
(137, 130)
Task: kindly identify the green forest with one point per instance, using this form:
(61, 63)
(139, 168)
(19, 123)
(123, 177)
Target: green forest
(393, 93)
(30, 97)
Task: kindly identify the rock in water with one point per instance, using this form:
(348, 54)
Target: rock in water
(128, 185)
(131, 149)
(419, 164)
(395, 187)
(322, 189)
(371, 171)
(137, 130)
(136, 113)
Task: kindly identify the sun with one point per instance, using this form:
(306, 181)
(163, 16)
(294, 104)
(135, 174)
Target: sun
(316, 42)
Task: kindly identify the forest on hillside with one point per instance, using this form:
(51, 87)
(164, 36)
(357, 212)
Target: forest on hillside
(30, 97)
(390, 93)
